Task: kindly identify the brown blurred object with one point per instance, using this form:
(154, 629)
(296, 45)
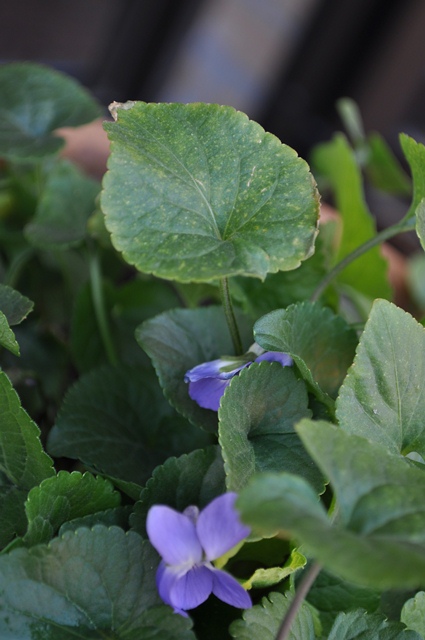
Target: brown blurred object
(87, 146)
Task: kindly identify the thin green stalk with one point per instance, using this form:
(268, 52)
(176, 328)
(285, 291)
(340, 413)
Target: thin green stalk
(401, 227)
(99, 307)
(17, 265)
(299, 597)
(230, 316)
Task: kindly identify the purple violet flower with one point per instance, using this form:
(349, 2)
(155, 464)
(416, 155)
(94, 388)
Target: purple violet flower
(208, 381)
(189, 542)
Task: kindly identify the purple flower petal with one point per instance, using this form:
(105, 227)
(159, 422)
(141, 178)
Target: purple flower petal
(219, 527)
(207, 392)
(276, 356)
(191, 589)
(173, 535)
(229, 590)
(165, 579)
(212, 369)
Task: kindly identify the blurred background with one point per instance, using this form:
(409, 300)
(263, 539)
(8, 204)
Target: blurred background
(283, 62)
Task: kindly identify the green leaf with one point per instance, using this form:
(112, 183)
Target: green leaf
(263, 620)
(127, 306)
(192, 479)
(331, 595)
(383, 396)
(380, 504)
(267, 577)
(118, 517)
(383, 169)
(279, 290)
(7, 337)
(336, 161)
(321, 343)
(413, 613)
(14, 305)
(414, 153)
(176, 341)
(37, 100)
(116, 419)
(65, 204)
(23, 463)
(416, 279)
(256, 425)
(359, 625)
(65, 497)
(76, 588)
(197, 192)
(420, 222)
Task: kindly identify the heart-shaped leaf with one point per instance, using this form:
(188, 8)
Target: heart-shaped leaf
(320, 342)
(116, 419)
(178, 340)
(256, 425)
(383, 396)
(197, 192)
(97, 583)
(413, 613)
(14, 305)
(37, 100)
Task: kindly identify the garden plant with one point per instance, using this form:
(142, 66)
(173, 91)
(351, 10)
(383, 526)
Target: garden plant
(212, 413)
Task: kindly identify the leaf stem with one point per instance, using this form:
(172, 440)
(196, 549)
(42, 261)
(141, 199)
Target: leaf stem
(303, 589)
(99, 307)
(407, 224)
(230, 316)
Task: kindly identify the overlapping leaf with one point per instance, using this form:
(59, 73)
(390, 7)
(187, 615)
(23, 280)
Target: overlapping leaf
(198, 192)
(116, 419)
(37, 100)
(77, 587)
(62, 498)
(383, 396)
(67, 200)
(178, 340)
(263, 620)
(257, 420)
(379, 541)
(321, 344)
(359, 624)
(192, 479)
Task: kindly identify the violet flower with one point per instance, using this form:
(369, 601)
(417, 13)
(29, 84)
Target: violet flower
(208, 381)
(189, 542)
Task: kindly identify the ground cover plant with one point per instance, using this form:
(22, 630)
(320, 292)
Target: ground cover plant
(212, 413)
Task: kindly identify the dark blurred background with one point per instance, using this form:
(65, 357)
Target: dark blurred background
(283, 62)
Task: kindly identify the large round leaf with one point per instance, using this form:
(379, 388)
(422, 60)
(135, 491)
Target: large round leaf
(198, 192)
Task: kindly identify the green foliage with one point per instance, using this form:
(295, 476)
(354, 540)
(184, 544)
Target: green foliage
(116, 420)
(263, 620)
(221, 196)
(202, 196)
(262, 437)
(383, 396)
(37, 100)
(75, 587)
(176, 341)
(336, 161)
(320, 342)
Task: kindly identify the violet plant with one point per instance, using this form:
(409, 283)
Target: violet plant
(212, 413)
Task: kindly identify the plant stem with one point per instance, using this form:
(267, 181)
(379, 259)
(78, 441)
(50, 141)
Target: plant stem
(230, 316)
(304, 587)
(17, 265)
(99, 307)
(401, 227)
